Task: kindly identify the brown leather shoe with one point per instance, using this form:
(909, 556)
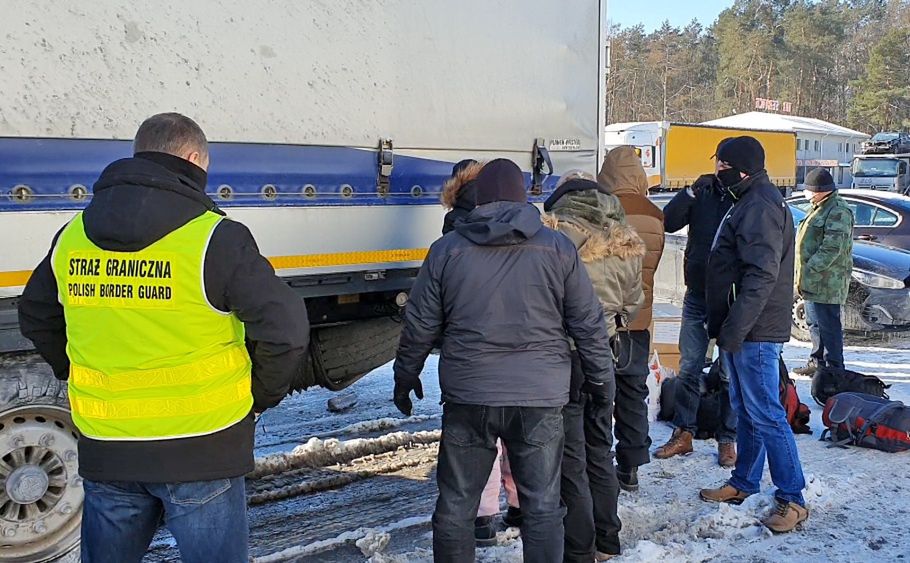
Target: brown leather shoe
(680, 443)
(785, 517)
(726, 454)
(726, 493)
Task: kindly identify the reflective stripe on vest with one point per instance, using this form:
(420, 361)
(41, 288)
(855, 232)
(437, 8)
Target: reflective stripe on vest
(150, 358)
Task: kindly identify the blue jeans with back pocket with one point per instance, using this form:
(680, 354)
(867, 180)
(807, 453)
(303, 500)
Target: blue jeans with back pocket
(207, 518)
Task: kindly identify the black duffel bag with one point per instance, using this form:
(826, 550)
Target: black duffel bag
(828, 382)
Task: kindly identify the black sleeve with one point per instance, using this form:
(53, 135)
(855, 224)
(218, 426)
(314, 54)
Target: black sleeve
(760, 246)
(240, 280)
(41, 317)
(584, 319)
(423, 321)
(676, 212)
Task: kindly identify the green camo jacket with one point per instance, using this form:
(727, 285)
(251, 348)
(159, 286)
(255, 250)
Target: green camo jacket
(824, 252)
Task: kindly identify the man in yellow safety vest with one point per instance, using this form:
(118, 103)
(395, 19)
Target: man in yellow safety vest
(173, 333)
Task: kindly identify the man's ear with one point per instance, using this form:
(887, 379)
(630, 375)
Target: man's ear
(198, 159)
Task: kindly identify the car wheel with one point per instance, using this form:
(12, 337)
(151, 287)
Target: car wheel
(799, 327)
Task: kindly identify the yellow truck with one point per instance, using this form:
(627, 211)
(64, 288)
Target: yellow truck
(675, 154)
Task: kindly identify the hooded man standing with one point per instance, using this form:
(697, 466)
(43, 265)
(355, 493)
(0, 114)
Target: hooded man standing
(749, 296)
(824, 261)
(623, 176)
(172, 331)
(504, 293)
(612, 252)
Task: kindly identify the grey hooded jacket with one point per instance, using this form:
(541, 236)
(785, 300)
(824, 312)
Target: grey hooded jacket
(505, 294)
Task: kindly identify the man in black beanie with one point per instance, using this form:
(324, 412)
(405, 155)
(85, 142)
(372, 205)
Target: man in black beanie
(749, 294)
(504, 294)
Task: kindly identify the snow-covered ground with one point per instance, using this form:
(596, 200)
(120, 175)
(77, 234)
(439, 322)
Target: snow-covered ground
(859, 499)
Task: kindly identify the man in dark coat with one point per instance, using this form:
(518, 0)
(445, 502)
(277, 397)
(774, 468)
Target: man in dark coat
(505, 294)
(699, 207)
(749, 296)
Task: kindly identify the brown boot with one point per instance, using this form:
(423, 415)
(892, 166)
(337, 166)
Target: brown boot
(726, 493)
(785, 517)
(726, 454)
(680, 443)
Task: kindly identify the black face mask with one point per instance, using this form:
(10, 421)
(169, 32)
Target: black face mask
(729, 177)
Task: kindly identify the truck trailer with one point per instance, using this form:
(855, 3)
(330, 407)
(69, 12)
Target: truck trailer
(674, 155)
(333, 126)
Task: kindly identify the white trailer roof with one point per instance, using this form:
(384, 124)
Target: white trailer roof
(778, 122)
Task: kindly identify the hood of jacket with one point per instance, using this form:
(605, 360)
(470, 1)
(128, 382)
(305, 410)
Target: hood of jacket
(137, 201)
(596, 224)
(622, 173)
(459, 190)
(500, 223)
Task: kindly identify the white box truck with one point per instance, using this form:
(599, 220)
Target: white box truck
(333, 126)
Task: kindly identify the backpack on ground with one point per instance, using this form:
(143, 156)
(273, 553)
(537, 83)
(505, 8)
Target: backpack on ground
(864, 420)
(798, 413)
(828, 382)
(708, 415)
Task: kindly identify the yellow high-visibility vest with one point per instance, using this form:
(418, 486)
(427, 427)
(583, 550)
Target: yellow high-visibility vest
(150, 357)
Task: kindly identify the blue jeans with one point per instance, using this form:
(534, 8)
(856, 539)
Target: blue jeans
(207, 518)
(533, 439)
(827, 334)
(762, 427)
(693, 345)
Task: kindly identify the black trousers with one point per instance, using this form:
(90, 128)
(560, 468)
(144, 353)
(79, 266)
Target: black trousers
(632, 440)
(533, 437)
(589, 486)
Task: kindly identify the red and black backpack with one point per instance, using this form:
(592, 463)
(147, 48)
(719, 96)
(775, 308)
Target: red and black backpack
(797, 412)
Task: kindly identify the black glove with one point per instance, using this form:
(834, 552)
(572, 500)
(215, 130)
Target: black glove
(402, 393)
(599, 392)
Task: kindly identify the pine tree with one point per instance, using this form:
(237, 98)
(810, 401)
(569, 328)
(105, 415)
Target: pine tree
(882, 100)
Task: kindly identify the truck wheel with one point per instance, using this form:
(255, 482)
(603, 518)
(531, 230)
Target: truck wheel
(799, 328)
(40, 488)
(340, 355)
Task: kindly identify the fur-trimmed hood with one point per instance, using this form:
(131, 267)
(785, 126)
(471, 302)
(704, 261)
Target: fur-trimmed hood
(593, 243)
(596, 223)
(453, 187)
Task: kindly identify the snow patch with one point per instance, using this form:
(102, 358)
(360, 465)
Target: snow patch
(321, 453)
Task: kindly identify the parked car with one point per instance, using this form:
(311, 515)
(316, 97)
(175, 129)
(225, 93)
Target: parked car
(878, 299)
(887, 143)
(879, 216)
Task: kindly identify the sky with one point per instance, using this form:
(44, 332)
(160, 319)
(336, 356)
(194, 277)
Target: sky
(652, 13)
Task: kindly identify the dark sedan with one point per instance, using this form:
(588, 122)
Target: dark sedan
(887, 143)
(878, 299)
(879, 216)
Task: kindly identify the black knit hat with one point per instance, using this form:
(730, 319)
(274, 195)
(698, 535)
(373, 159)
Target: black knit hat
(500, 180)
(744, 154)
(819, 180)
(573, 185)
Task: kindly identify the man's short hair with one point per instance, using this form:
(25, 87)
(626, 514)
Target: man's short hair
(171, 133)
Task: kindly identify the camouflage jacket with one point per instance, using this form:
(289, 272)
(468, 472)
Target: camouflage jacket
(824, 252)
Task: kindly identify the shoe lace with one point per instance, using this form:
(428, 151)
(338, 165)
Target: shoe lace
(782, 508)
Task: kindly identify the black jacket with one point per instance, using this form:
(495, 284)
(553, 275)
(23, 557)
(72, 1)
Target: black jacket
(136, 202)
(750, 286)
(702, 214)
(504, 293)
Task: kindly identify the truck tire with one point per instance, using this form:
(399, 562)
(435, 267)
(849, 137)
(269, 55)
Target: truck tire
(340, 355)
(40, 488)
(799, 328)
